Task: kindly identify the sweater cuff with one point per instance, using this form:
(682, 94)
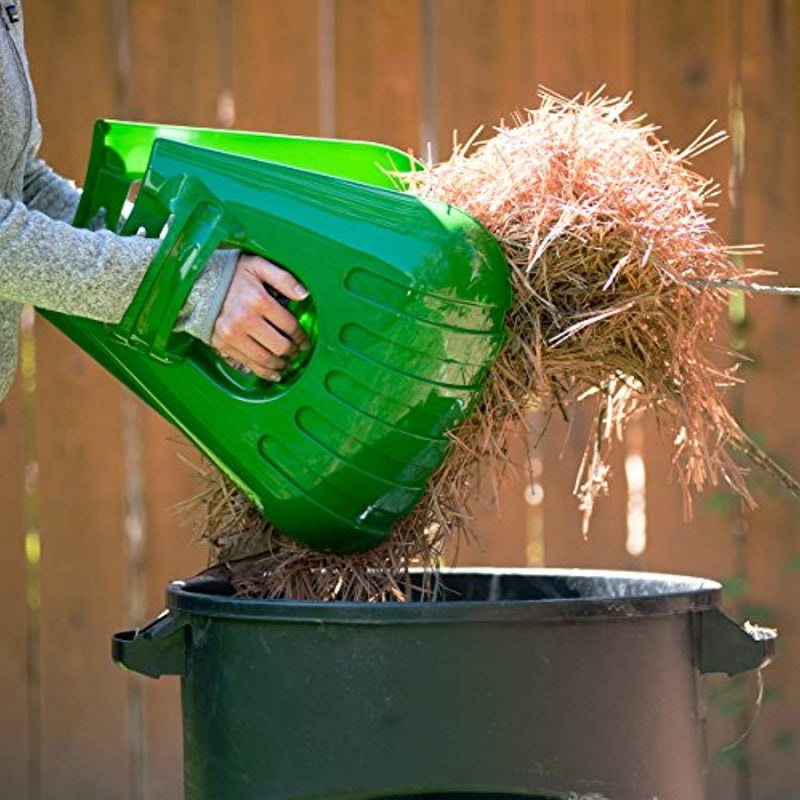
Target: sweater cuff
(204, 303)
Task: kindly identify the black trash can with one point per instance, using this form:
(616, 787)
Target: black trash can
(536, 683)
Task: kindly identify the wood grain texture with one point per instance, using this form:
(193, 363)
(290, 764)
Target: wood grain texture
(685, 65)
(480, 48)
(771, 210)
(576, 47)
(178, 61)
(477, 71)
(14, 649)
(179, 69)
(580, 45)
(84, 747)
(378, 68)
(275, 65)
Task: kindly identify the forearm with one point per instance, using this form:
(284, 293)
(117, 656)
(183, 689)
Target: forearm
(92, 274)
(45, 191)
(52, 265)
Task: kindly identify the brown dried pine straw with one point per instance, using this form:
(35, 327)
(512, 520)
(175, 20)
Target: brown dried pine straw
(619, 281)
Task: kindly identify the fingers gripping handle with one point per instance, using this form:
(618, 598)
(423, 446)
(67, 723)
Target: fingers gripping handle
(199, 225)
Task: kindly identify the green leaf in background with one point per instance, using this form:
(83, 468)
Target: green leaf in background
(731, 698)
(735, 756)
(792, 564)
(734, 588)
(718, 501)
(771, 693)
(760, 614)
(784, 740)
(757, 437)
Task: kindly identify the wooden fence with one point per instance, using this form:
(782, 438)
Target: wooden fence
(89, 475)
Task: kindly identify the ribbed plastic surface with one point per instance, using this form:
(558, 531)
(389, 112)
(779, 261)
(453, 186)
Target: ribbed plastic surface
(405, 315)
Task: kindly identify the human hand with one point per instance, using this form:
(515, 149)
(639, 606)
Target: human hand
(253, 328)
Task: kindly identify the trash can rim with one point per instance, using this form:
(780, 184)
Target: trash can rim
(676, 594)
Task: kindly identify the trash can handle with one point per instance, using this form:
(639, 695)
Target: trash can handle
(726, 646)
(155, 650)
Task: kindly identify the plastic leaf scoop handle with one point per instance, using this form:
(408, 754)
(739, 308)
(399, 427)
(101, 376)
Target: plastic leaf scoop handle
(405, 315)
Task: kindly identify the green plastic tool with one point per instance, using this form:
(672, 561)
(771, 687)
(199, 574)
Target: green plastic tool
(405, 315)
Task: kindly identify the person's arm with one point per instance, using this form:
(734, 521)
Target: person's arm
(93, 274)
(56, 197)
(46, 191)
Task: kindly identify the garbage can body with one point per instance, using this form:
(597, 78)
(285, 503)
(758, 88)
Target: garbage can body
(535, 683)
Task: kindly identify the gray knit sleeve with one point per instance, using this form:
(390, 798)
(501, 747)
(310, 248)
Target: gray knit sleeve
(202, 308)
(93, 274)
(43, 190)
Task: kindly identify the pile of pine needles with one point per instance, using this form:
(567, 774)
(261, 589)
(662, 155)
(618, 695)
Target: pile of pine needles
(259, 561)
(619, 281)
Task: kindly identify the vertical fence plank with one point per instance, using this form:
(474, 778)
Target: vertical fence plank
(683, 78)
(378, 62)
(179, 73)
(479, 49)
(13, 651)
(177, 61)
(170, 554)
(578, 46)
(771, 64)
(565, 545)
(276, 66)
(682, 83)
(71, 50)
(581, 45)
